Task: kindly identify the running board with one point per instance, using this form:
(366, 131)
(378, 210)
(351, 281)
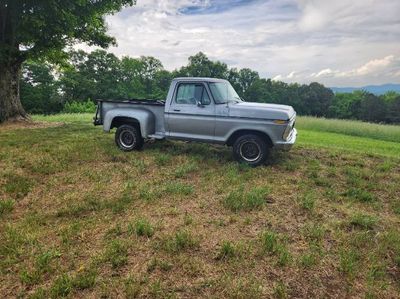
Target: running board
(157, 136)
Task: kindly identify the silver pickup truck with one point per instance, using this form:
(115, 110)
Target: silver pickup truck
(201, 109)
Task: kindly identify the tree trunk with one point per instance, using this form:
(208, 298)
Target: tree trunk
(10, 103)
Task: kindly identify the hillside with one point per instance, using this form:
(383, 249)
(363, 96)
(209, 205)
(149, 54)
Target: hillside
(375, 89)
(80, 218)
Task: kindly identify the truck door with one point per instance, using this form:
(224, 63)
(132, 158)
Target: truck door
(191, 114)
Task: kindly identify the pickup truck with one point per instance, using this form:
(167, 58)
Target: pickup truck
(201, 109)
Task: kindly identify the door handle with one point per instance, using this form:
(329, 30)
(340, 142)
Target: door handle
(177, 110)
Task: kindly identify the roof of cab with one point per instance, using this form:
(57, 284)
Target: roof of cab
(199, 79)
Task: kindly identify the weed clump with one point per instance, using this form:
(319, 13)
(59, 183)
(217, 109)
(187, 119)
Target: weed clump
(182, 240)
(142, 227)
(239, 199)
(273, 244)
(117, 254)
(363, 221)
(227, 251)
(360, 195)
(6, 206)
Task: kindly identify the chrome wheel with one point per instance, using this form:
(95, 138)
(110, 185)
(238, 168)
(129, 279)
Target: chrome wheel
(250, 151)
(127, 139)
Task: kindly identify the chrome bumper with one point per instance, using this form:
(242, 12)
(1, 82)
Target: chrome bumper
(287, 145)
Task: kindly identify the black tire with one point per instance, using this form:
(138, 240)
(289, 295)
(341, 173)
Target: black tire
(251, 149)
(128, 138)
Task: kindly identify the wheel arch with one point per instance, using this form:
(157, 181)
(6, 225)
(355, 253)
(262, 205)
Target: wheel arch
(124, 120)
(235, 135)
(143, 119)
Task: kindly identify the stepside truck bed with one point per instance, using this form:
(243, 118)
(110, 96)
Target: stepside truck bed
(157, 107)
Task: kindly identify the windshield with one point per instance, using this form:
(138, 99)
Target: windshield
(223, 92)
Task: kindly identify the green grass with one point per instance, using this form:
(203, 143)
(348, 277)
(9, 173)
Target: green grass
(363, 221)
(227, 251)
(348, 143)
(273, 244)
(6, 206)
(80, 218)
(144, 228)
(116, 254)
(181, 240)
(349, 127)
(66, 117)
(246, 200)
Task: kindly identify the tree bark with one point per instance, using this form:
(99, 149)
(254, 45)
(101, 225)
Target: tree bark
(10, 103)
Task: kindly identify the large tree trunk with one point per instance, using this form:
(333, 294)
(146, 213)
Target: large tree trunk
(10, 103)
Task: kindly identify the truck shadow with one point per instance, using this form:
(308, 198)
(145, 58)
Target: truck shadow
(207, 152)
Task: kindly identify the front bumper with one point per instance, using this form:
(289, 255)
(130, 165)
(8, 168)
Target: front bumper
(287, 145)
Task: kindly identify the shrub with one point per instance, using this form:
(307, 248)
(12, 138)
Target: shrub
(80, 107)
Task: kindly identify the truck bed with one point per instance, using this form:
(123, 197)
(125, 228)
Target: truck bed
(157, 107)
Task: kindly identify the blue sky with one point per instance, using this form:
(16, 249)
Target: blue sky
(213, 6)
(338, 43)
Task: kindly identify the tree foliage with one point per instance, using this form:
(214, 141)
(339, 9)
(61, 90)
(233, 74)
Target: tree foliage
(100, 74)
(37, 29)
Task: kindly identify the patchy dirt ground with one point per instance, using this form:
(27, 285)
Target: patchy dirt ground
(81, 219)
(15, 125)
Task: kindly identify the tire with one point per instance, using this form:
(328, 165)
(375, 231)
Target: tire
(128, 138)
(251, 149)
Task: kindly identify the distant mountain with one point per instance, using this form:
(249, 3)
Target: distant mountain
(375, 89)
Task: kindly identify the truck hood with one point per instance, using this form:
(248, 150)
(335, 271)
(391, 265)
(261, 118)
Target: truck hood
(261, 110)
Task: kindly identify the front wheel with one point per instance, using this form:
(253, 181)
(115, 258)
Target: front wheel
(251, 149)
(128, 138)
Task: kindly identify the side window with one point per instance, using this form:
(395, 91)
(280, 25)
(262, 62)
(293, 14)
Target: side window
(191, 94)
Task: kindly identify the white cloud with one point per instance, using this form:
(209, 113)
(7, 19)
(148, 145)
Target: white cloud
(314, 37)
(386, 67)
(291, 76)
(324, 73)
(374, 66)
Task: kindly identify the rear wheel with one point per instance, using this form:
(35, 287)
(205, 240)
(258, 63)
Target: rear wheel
(251, 149)
(128, 138)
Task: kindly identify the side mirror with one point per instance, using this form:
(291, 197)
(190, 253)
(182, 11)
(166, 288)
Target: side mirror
(200, 104)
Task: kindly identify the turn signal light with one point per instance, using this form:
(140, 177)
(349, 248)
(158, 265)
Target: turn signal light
(280, 122)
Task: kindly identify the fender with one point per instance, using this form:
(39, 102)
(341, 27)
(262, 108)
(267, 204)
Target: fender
(145, 118)
(273, 131)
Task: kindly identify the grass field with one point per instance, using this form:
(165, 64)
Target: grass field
(79, 218)
(352, 128)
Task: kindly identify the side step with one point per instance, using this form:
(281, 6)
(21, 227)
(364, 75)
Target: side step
(157, 135)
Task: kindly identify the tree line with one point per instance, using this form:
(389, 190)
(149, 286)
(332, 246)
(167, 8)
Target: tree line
(83, 77)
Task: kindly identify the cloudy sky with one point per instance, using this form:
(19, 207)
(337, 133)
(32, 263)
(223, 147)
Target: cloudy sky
(335, 42)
